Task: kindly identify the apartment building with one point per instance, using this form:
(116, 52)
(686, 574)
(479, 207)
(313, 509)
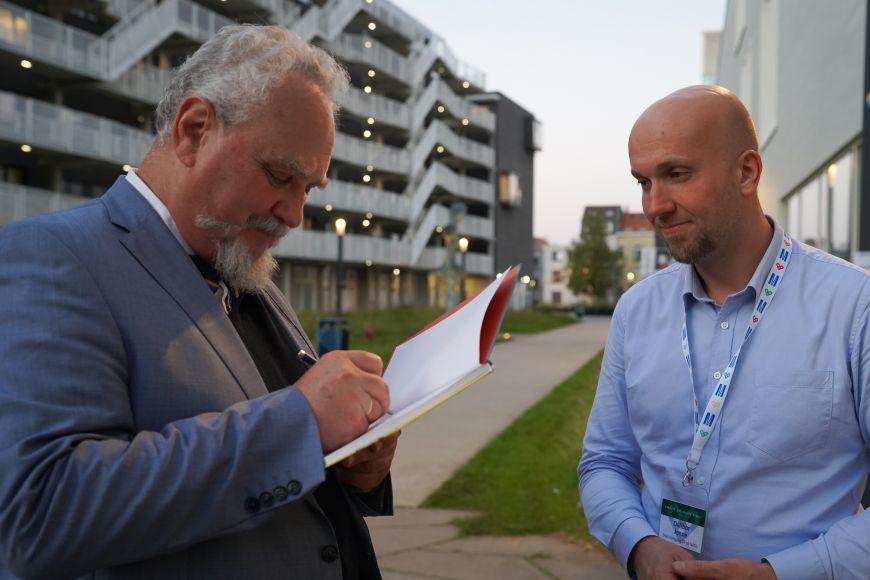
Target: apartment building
(79, 80)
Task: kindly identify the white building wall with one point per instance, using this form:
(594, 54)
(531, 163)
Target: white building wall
(799, 67)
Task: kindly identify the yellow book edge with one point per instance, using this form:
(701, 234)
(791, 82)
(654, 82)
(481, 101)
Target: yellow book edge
(389, 424)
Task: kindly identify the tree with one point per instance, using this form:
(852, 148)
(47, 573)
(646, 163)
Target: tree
(594, 266)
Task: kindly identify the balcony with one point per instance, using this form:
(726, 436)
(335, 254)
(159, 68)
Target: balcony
(358, 199)
(361, 152)
(24, 120)
(440, 92)
(20, 201)
(323, 247)
(351, 47)
(475, 264)
(381, 108)
(439, 175)
(439, 133)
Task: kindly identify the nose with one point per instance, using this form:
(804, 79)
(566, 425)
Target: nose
(657, 201)
(290, 208)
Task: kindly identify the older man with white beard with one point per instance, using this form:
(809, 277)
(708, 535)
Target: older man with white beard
(154, 419)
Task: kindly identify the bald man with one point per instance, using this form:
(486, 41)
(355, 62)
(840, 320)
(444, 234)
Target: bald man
(730, 433)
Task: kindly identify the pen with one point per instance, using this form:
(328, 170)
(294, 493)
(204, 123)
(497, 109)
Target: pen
(306, 359)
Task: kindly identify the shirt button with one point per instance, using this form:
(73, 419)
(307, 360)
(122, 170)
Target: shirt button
(724, 325)
(717, 375)
(267, 499)
(280, 493)
(294, 487)
(701, 480)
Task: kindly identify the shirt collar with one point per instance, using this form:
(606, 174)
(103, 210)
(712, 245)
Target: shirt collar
(692, 287)
(161, 209)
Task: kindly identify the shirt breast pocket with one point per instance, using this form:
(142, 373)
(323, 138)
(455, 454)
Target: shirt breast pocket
(791, 413)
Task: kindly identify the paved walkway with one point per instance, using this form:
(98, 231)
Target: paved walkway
(421, 543)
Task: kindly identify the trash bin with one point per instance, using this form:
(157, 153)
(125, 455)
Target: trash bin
(332, 334)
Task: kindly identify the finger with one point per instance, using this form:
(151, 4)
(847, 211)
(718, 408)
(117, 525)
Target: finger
(695, 569)
(367, 361)
(377, 389)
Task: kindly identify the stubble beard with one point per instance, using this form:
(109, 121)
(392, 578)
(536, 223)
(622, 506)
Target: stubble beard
(238, 267)
(691, 251)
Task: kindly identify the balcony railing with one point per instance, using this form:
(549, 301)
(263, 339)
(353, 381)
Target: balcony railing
(323, 246)
(439, 133)
(358, 199)
(361, 152)
(440, 92)
(381, 108)
(478, 264)
(352, 47)
(459, 185)
(20, 201)
(438, 49)
(40, 124)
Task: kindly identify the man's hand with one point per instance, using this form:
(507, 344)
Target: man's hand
(724, 570)
(366, 469)
(346, 393)
(654, 558)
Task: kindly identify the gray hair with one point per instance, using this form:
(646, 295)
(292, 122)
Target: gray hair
(237, 68)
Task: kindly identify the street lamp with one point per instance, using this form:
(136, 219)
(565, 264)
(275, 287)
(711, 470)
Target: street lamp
(340, 227)
(463, 249)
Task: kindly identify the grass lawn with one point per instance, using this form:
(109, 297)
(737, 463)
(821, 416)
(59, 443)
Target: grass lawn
(392, 326)
(525, 480)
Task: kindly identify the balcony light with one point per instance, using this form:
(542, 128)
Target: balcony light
(369, 1)
(370, 120)
(328, 207)
(440, 149)
(367, 44)
(367, 89)
(370, 168)
(465, 84)
(372, 25)
(372, 73)
(440, 108)
(126, 167)
(26, 148)
(26, 63)
(367, 133)
(367, 178)
(366, 223)
(396, 271)
(525, 279)
(630, 276)
(439, 229)
(368, 215)
(463, 245)
(368, 263)
(465, 122)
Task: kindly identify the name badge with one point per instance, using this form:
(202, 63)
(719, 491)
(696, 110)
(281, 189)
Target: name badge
(683, 525)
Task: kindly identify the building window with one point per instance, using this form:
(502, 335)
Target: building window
(819, 213)
(557, 297)
(557, 276)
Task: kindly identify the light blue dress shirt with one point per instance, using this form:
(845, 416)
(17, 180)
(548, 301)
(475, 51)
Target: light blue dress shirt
(786, 466)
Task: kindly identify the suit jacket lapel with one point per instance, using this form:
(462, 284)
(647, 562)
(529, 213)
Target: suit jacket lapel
(151, 243)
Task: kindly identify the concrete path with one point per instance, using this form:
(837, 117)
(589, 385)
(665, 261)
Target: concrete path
(421, 543)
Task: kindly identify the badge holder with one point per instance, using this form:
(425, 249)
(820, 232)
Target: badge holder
(684, 513)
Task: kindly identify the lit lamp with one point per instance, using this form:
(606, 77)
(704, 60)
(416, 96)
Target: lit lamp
(463, 250)
(630, 278)
(340, 228)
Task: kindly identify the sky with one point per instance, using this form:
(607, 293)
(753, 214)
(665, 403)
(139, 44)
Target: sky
(586, 69)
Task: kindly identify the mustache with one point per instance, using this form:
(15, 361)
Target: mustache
(269, 224)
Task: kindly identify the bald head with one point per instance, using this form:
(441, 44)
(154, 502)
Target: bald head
(710, 113)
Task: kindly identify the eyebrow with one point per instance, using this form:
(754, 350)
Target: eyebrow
(663, 167)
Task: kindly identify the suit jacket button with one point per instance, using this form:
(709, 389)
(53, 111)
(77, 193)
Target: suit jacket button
(280, 493)
(252, 505)
(294, 487)
(329, 553)
(266, 499)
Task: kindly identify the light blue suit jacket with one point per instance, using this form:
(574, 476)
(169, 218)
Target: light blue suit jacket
(134, 426)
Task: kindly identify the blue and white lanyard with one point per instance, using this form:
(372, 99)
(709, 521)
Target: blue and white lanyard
(704, 427)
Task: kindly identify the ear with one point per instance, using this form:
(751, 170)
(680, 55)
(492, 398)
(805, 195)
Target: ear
(749, 167)
(192, 126)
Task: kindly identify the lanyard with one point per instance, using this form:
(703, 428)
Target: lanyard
(704, 426)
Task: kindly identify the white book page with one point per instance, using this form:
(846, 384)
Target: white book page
(439, 355)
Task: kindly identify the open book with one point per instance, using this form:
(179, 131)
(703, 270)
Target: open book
(444, 358)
